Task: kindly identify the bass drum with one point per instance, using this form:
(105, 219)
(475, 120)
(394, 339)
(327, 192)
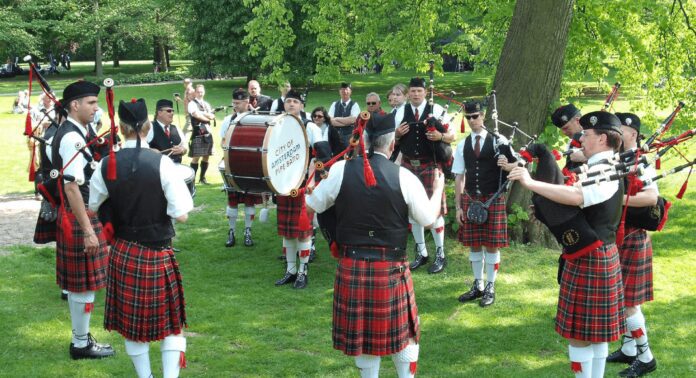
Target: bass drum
(266, 153)
(187, 174)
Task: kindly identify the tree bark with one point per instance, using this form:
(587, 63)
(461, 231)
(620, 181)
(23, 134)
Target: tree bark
(528, 80)
(98, 67)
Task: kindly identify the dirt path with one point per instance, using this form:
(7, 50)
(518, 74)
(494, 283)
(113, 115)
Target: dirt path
(17, 220)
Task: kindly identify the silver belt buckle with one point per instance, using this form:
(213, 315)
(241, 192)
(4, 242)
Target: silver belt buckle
(415, 163)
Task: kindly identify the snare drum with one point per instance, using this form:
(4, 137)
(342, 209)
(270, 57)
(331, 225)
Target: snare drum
(188, 175)
(226, 186)
(266, 153)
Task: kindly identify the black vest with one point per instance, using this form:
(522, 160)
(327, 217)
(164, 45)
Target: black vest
(482, 173)
(161, 142)
(65, 128)
(415, 144)
(280, 105)
(604, 217)
(376, 216)
(45, 165)
(137, 200)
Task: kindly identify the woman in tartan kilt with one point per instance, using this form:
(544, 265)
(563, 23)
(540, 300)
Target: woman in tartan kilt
(590, 301)
(296, 240)
(635, 255)
(374, 308)
(145, 297)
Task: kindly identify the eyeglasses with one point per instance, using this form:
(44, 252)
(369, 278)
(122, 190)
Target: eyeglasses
(369, 103)
(473, 116)
(317, 116)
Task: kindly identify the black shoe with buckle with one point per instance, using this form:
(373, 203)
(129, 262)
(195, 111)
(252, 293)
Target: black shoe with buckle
(472, 294)
(248, 242)
(440, 262)
(301, 281)
(639, 368)
(92, 350)
(619, 356)
(420, 259)
(230, 239)
(488, 297)
(287, 278)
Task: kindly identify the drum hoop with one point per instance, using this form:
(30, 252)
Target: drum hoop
(228, 137)
(265, 146)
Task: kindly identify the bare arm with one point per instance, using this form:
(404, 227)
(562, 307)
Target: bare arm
(182, 218)
(72, 192)
(645, 198)
(342, 121)
(459, 182)
(566, 195)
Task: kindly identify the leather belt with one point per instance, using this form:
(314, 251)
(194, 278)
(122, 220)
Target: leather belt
(372, 255)
(418, 162)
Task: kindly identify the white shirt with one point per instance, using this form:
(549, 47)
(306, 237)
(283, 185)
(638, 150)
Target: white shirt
(458, 166)
(324, 195)
(399, 116)
(193, 106)
(38, 115)
(274, 105)
(354, 111)
(314, 134)
(179, 200)
(67, 150)
(226, 124)
(598, 193)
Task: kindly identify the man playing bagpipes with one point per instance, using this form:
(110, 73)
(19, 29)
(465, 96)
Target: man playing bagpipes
(374, 307)
(567, 118)
(240, 101)
(81, 247)
(480, 179)
(417, 135)
(635, 255)
(590, 304)
(144, 296)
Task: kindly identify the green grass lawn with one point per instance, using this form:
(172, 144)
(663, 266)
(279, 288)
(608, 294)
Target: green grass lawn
(240, 324)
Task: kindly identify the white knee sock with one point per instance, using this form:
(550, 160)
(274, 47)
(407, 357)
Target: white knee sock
(173, 355)
(139, 353)
(438, 232)
(368, 365)
(406, 361)
(232, 216)
(636, 326)
(419, 237)
(290, 246)
(303, 247)
(81, 305)
(492, 263)
(581, 360)
(629, 345)
(476, 259)
(599, 360)
(249, 213)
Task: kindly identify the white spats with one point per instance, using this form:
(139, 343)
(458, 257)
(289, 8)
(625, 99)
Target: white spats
(368, 365)
(406, 361)
(139, 354)
(173, 350)
(80, 305)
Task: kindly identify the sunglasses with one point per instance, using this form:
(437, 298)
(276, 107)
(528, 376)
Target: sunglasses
(473, 116)
(371, 103)
(167, 110)
(317, 116)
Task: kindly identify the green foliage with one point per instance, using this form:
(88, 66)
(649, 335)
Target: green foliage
(144, 78)
(14, 38)
(517, 215)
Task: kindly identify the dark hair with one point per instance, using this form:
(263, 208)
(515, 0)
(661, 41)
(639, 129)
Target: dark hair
(323, 111)
(613, 138)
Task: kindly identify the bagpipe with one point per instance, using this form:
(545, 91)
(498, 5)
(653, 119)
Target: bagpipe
(442, 152)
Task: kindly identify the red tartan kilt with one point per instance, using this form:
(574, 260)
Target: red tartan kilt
(77, 271)
(289, 217)
(636, 267)
(249, 199)
(45, 232)
(493, 233)
(590, 300)
(144, 295)
(427, 173)
(374, 308)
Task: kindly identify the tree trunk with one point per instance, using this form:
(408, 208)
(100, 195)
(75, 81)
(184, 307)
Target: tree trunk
(166, 54)
(98, 67)
(162, 56)
(116, 55)
(528, 80)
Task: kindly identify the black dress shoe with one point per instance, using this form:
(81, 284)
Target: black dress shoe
(282, 257)
(203, 181)
(488, 297)
(472, 294)
(620, 357)
(63, 295)
(639, 368)
(92, 350)
(230, 239)
(439, 264)
(247, 237)
(301, 281)
(419, 261)
(287, 278)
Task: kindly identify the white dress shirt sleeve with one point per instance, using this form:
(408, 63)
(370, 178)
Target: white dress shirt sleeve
(179, 200)
(598, 193)
(416, 198)
(324, 195)
(98, 193)
(67, 150)
(458, 167)
(355, 110)
(332, 109)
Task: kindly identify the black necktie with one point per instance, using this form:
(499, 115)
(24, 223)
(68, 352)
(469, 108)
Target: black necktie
(477, 146)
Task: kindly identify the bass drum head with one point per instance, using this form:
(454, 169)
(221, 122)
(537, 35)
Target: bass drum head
(287, 155)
